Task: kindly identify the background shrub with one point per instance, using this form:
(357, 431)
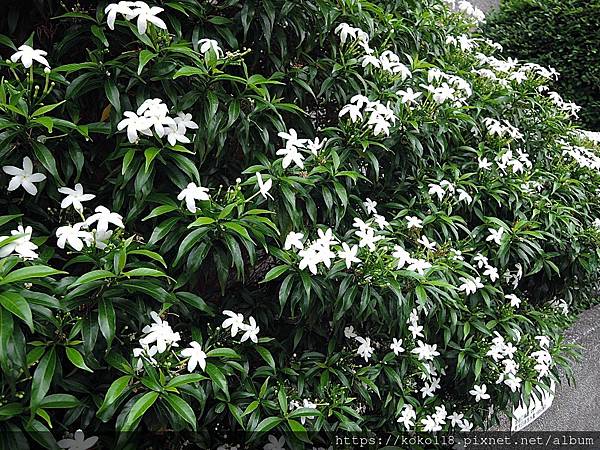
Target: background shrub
(561, 34)
(424, 222)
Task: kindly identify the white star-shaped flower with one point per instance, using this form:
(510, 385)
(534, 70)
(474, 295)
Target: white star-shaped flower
(74, 197)
(104, 217)
(24, 177)
(196, 355)
(28, 54)
(192, 193)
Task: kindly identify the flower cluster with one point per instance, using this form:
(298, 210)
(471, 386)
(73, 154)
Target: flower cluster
(236, 324)
(379, 117)
(139, 10)
(152, 115)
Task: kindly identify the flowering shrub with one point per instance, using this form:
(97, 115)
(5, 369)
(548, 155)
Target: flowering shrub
(279, 218)
(557, 33)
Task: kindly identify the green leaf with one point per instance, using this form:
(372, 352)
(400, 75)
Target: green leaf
(266, 355)
(29, 273)
(182, 408)
(94, 275)
(144, 272)
(116, 389)
(45, 109)
(238, 229)
(112, 93)
(150, 154)
(275, 272)
(107, 320)
(144, 57)
(182, 380)
(59, 401)
(138, 409)
(201, 221)
(42, 377)
(77, 359)
(44, 156)
(222, 353)
(17, 305)
(159, 211)
(217, 378)
(268, 424)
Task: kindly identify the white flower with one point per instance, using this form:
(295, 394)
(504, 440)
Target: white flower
(176, 134)
(365, 350)
(492, 273)
(145, 14)
(113, 9)
(544, 341)
(495, 235)
(479, 392)
(293, 239)
(367, 238)
(196, 355)
(424, 241)
(402, 256)
(396, 346)
(466, 425)
(349, 332)
(72, 235)
(146, 353)
(27, 55)
(207, 45)
(135, 125)
(291, 139)
(515, 301)
(409, 96)
(264, 187)
(291, 154)
(419, 266)
(192, 193)
(428, 389)
(274, 443)
(348, 254)
(437, 190)
(161, 333)
(455, 418)
(425, 352)
(513, 382)
(464, 196)
(22, 245)
(470, 285)
(353, 111)
(408, 416)
(235, 321)
(250, 331)
(104, 217)
(185, 121)
(416, 330)
(370, 206)
(380, 221)
(316, 145)
(24, 177)
(413, 222)
(74, 197)
(430, 425)
(484, 164)
(79, 442)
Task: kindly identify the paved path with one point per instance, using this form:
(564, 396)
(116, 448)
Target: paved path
(485, 5)
(577, 408)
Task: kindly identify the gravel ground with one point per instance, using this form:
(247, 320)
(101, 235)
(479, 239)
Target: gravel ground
(485, 5)
(577, 408)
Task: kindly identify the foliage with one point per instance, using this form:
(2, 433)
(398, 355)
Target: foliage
(561, 34)
(356, 199)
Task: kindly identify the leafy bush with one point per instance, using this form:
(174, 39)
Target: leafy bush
(561, 34)
(280, 217)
